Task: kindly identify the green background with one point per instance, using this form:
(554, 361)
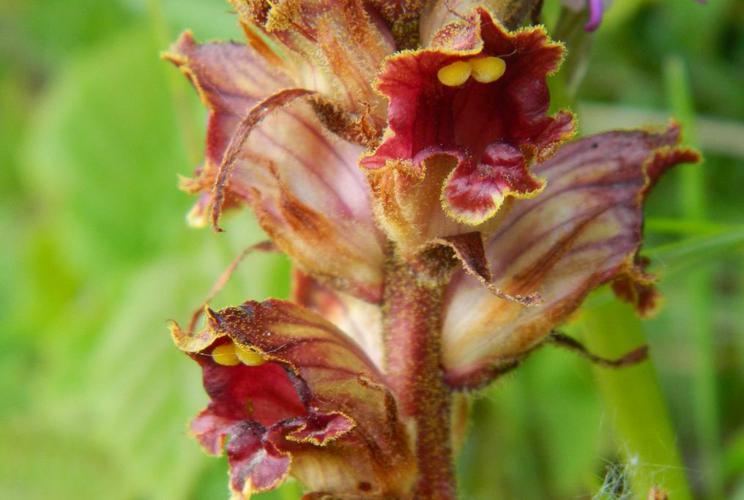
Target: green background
(96, 257)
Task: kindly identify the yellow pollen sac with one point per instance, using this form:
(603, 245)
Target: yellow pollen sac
(248, 356)
(487, 69)
(225, 355)
(454, 74)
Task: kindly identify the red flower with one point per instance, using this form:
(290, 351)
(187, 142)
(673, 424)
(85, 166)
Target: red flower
(289, 391)
(476, 138)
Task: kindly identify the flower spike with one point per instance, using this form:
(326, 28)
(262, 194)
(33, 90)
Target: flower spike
(402, 155)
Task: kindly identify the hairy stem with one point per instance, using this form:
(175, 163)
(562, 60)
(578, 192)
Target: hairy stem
(413, 353)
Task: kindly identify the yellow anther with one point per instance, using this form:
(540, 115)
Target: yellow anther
(487, 69)
(248, 356)
(454, 74)
(225, 355)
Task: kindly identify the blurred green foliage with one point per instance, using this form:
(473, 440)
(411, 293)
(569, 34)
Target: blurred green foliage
(96, 257)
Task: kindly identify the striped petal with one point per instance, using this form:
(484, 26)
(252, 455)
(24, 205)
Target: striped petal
(582, 231)
(276, 155)
(310, 197)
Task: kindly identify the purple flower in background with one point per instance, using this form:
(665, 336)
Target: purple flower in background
(596, 11)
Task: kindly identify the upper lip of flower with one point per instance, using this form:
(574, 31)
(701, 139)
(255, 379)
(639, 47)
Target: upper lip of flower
(300, 179)
(583, 231)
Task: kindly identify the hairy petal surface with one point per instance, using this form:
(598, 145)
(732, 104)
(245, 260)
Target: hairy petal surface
(453, 154)
(316, 407)
(402, 18)
(582, 231)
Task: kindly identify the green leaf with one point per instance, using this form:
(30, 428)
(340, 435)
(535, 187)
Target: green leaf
(46, 462)
(103, 153)
(208, 20)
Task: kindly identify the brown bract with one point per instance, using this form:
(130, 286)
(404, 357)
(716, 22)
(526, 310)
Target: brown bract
(402, 18)
(317, 407)
(452, 155)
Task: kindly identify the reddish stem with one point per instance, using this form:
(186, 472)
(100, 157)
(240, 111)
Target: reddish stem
(413, 352)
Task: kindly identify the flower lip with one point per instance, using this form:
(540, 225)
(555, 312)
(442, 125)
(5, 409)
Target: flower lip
(240, 391)
(470, 114)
